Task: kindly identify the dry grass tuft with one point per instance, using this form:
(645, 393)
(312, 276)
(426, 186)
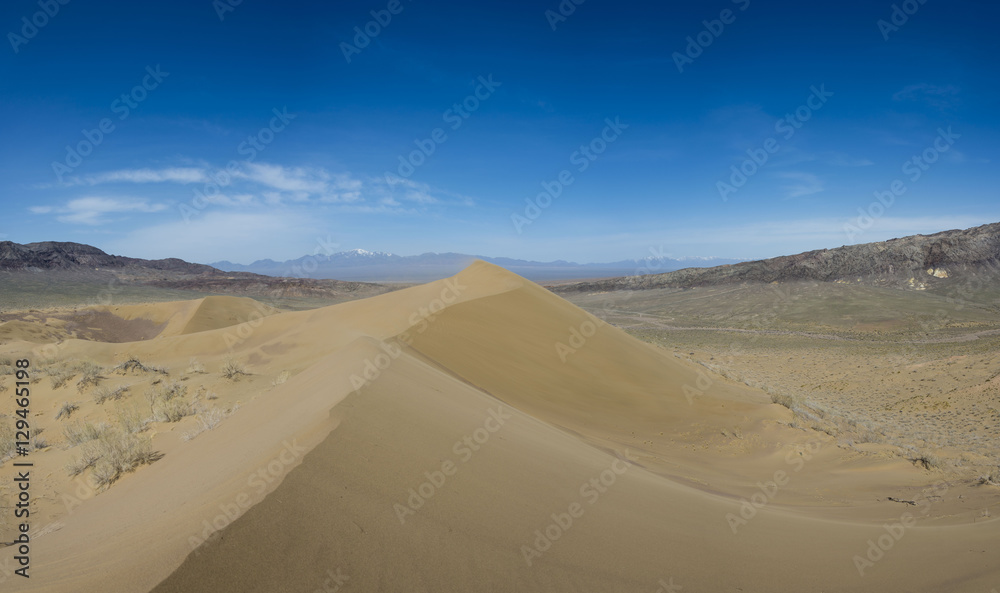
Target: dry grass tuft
(232, 370)
(113, 454)
(130, 419)
(207, 420)
(90, 375)
(194, 367)
(7, 439)
(922, 458)
(103, 394)
(167, 403)
(78, 433)
(989, 479)
(66, 410)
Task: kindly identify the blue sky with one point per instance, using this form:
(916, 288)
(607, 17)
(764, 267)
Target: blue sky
(208, 131)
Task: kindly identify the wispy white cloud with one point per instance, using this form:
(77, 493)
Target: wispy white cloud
(802, 184)
(94, 210)
(256, 187)
(173, 175)
(290, 179)
(410, 191)
(939, 96)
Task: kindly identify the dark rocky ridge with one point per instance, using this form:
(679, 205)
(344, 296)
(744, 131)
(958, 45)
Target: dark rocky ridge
(66, 264)
(54, 255)
(953, 253)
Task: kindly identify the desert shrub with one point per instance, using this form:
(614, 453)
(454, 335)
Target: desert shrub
(194, 366)
(171, 410)
(160, 392)
(922, 458)
(3, 385)
(231, 369)
(172, 390)
(207, 420)
(7, 438)
(281, 378)
(89, 455)
(989, 479)
(789, 401)
(38, 442)
(90, 375)
(119, 453)
(59, 378)
(863, 432)
(66, 410)
(132, 364)
(130, 419)
(78, 433)
(103, 394)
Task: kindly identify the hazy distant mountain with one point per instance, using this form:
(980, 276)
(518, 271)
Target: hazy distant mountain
(916, 261)
(376, 266)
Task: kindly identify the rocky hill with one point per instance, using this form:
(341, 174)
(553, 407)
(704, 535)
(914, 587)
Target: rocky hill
(909, 261)
(57, 266)
(54, 255)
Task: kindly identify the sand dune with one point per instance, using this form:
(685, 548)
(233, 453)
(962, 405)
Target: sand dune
(480, 433)
(188, 317)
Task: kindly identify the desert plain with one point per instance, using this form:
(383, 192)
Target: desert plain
(484, 433)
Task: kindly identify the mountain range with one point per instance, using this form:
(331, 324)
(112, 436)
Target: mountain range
(915, 261)
(377, 266)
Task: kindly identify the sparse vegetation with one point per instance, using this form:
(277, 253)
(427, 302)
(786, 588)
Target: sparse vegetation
(989, 479)
(79, 433)
(167, 403)
(922, 458)
(133, 365)
(207, 420)
(90, 375)
(112, 455)
(59, 378)
(789, 401)
(38, 442)
(194, 367)
(66, 409)
(281, 378)
(103, 394)
(232, 370)
(130, 419)
(171, 411)
(7, 439)
(88, 457)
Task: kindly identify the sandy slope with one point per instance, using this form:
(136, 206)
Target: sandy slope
(545, 410)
